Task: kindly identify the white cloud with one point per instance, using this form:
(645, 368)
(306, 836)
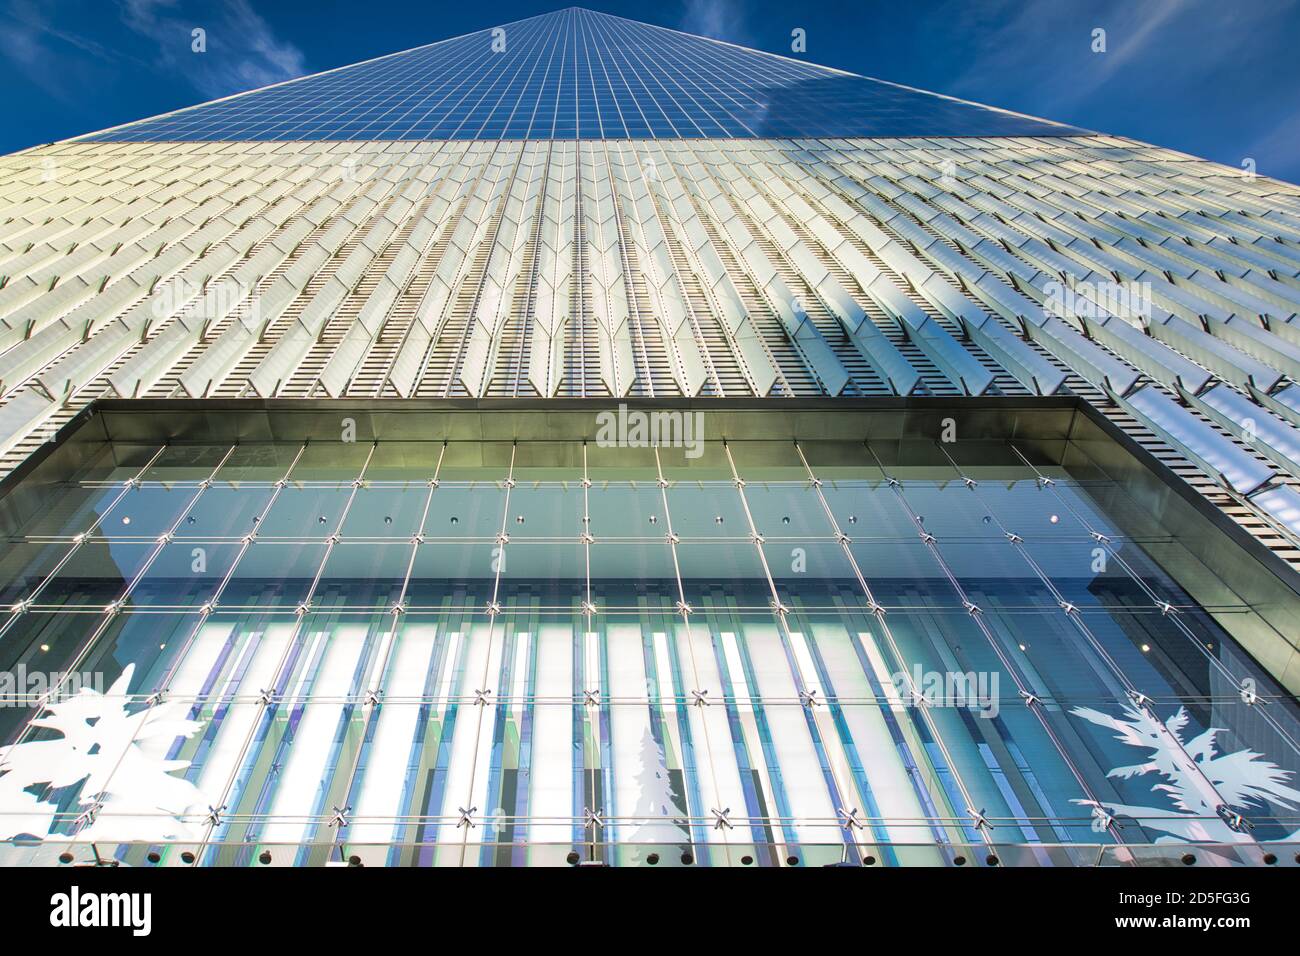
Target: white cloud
(30, 38)
(1046, 45)
(720, 19)
(1277, 151)
(242, 53)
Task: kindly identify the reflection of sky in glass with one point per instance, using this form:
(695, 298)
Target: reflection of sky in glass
(304, 612)
(575, 73)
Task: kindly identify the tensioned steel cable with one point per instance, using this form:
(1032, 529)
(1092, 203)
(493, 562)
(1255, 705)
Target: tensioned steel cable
(374, 681)
(158, 696)
(915, 694)
(1033, 701)
(105, 619)
(698, 691)
(1206, 785)
(1165, 607)
(493, 610)
(268, 699)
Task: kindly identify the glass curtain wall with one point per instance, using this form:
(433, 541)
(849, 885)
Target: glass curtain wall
(539, 653)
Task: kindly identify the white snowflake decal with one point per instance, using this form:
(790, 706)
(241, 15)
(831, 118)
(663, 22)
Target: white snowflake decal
(1243, 777)
(128, 792)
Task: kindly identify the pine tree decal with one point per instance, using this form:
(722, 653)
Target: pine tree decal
(127, 793)
(656, 808)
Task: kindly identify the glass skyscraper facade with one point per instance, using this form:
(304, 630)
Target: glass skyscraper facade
(581, 442)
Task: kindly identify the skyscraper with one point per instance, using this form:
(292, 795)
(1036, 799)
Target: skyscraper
(582, 442)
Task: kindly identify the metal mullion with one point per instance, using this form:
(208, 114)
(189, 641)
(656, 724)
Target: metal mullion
(758, 231)
(539, 42)
(579, 25)
(685, 610)
(1072, 614)
(374, 689)
(419, 209)
(815, 723)
(454, 209)
(604, 700)
(1164, 607)
(530, 287)
(578, 275)
(668, 216)
(589, 607)
(636, 64)
(691, 190)
(875, 608)
(487, 80)
(625, 256)
(493, 609)
(537, 103)
(489, 244)
(604, 56)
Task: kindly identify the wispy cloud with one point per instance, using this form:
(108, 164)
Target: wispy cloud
(1167, 66)
(720, 19)
(29, 38)
(1047, 47)
(242, 50)
(1276, 151)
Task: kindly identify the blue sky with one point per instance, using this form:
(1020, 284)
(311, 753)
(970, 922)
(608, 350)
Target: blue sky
(1216, 79)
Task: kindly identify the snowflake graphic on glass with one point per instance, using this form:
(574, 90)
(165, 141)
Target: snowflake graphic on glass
(1194, 774)
(117, 755)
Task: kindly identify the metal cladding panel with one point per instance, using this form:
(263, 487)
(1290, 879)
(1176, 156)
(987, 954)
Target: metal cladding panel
(1217, 355)
(1080, 354)
(1237, 467)
(721, 269)
(1282, 503)
(646, 221)
(1029, 368)
(755, 226)
(1257, 426)
(1257, 341)
(1148, 354)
